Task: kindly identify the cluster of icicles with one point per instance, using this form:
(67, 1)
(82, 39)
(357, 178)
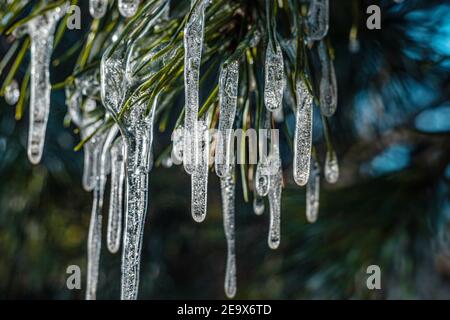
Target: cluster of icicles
(125, 150)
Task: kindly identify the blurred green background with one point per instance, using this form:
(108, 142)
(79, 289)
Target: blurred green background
(390, 207)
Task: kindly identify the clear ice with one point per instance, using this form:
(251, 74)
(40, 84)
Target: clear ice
(274, 77)
(193, 45)
(331, 169)
(199, 178)
(312, 192)
(303, 134)
(258, 205)
(95, 226)
(228, 91)
(128, 8)
(97, 8)
(227, 186)
(136, 127)
(12, 93)
(41, 30)
(328, 83)
(113, 235)
(275, 189)
(318, 19)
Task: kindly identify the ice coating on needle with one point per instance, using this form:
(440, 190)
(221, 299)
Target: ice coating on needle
(318, 19)
(275, 189)
(12, 93)
(313, 192)
(228, 91)
(113, 235)
(331, 170)
(227, 186)
(97, 8)
(41, 30)
(328, 83)
(274, 77)
(199, 178)
(193, 45)
(128, 8)
(303, 134)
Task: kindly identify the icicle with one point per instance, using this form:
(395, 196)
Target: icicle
(331, 167)
(88, 128)
(105, 158)
(227, 186)
(318, 19)
(312, 192)
(193, 44)
(275, 189)
(97, 8)
(274, 77)
(41, 30)
(278, 115)
(328, 84)
(12, 93)
(95, 227)
(116, 196)
(303, 134)
(258, 205)
(177, 149)
(228, 91)
(128, 8)
(136, 127)
(199, 178)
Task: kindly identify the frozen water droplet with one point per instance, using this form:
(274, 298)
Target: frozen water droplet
(199, 178)
(228, 207)
(97, 8)
(331, 167)
(275, 190)
(318, 19)
(303, 134)
(328, 83)
(167, 162)
(41, 30)
(116, 195)
(12, 93)
(228, 91)
(128, 8)
(193, 44)
(274, 78)
(262, 178)
(258, 205)
(313, 192)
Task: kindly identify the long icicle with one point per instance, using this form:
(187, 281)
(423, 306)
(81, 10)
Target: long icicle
(193, 45)
(275, 190)
(227, 186)
(95, 227)
(199, 178)
(328, 82)
(313, 192)
(41, 30)
(303, 134)
(114, 230)
(228, 91)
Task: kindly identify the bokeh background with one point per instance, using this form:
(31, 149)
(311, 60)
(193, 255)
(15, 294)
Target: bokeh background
(390, 208)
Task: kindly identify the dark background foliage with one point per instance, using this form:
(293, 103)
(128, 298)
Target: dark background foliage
(390, 207)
